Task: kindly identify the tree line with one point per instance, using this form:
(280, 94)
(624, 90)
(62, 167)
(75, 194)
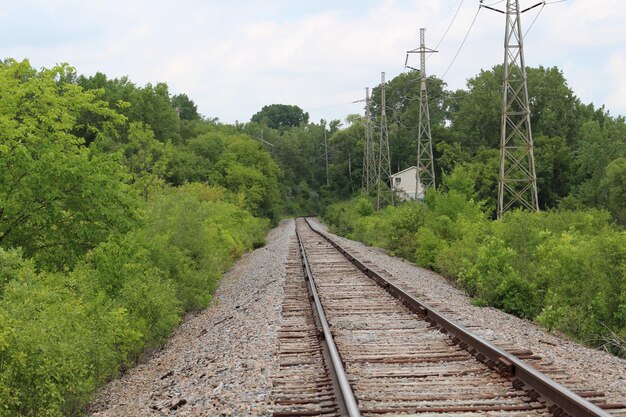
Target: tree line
(120, 207)
(580, 149)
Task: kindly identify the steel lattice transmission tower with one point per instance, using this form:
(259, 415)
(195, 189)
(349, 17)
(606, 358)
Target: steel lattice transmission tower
(517, 184)
(384, 190)
(425, 164)
(370, 170)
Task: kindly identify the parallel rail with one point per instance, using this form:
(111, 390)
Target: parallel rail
(560, 399)
(409, 370)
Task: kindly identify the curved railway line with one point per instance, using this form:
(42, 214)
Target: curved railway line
(352, 343)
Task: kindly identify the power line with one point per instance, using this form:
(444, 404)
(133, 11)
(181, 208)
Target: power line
(534, 20)
(462, 43)
(450, 25)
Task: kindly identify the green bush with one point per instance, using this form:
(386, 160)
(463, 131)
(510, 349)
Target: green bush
(59, 339)
(343, 216)
(452, 259)
(64, 334)
(493, 281)
(586, 280)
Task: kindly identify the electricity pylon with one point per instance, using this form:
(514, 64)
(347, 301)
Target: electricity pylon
(384, 191)
(369, 156)
(517, 183)
(425, 166)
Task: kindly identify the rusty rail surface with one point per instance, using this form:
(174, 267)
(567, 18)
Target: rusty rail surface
(558, 399)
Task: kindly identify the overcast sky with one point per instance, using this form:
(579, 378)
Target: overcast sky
(233, 56)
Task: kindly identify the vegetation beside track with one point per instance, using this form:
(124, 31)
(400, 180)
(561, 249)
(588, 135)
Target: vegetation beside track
(565, 269)
(111, 228)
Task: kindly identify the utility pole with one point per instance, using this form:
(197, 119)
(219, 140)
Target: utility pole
(425, 174)
(369, 156)
(517, 182)
(384, 191)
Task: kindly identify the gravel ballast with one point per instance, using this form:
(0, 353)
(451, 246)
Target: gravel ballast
(220, 361)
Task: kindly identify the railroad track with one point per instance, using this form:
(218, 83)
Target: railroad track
(352, 343)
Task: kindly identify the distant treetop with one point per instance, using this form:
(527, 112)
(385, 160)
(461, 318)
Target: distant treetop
(279, 116)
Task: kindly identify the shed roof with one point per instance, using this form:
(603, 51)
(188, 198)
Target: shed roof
(404, 170)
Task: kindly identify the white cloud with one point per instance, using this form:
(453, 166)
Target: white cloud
(234, 57)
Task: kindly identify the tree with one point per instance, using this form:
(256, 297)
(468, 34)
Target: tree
(146, 158)
(281, 116)
(555, 110)
(599, 144)
(150, 105)
(402, 96)
(185, 107)
(613, 189)
(346, 149)
(554, 169)
(58, 199)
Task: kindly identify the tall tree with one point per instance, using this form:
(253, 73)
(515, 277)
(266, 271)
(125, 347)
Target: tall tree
(185, 107)
(280, 116)
(58, 199)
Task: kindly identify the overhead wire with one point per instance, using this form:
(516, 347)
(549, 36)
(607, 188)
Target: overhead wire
(462, 44)
(543, 4)
(450, 25)
(534, 20)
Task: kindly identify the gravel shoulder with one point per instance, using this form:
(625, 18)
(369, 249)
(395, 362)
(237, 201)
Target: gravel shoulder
(219, 362)
(596, 369)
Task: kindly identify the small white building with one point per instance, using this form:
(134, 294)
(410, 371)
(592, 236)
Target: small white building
(404, 184)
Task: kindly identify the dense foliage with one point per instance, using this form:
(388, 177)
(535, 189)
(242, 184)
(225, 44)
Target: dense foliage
(64, 333)
(566, 269)
(117, 217)
(579, 149)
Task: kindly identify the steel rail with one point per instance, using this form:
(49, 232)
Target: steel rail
(346, 395)
(558, 398)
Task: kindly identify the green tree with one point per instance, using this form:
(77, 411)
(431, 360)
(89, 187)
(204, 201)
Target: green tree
(185, 107)
(57, 198)
(599, 144)
(554, 169)
(146, 158)
(280, 116)
(402, 96)
(613, 189)
(150, 105)
(555, 110)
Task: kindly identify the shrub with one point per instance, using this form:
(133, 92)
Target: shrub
(586, 281)
(59, 339)
(493, 281)
(63, 334)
